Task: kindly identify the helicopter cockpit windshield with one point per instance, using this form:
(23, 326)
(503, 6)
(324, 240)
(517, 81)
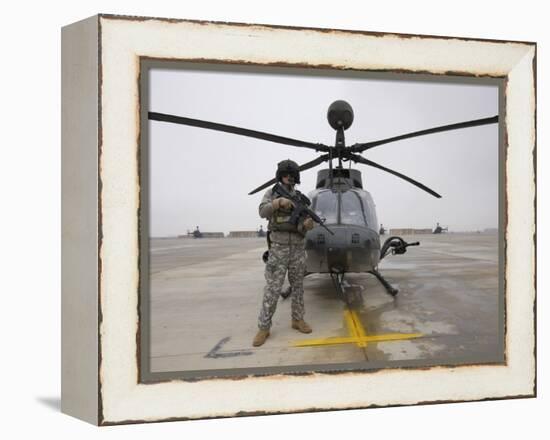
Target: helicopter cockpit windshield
(326, 206)
(352, 210)
(346, 207)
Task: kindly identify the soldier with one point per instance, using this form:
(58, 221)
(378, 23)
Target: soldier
(286, 253)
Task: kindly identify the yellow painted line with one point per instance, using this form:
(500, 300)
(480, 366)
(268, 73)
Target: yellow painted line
(359, 328)
(357, 334)
(357, 340)
(352, 327)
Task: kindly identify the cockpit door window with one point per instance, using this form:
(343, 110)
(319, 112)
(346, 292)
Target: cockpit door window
(352, 209)
(326, 206)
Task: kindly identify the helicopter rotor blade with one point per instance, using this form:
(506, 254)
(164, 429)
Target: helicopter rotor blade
(265, 185)
(358, 148)
(303, 167)
(235, 130)
(361, 159)
(314, 162)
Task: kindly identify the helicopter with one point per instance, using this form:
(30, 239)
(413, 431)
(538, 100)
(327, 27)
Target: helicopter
(439, 229)
(339, 199)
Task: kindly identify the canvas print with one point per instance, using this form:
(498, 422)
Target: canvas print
(299, 220)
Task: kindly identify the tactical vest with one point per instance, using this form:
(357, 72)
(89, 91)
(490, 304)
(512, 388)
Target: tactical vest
(280, 221)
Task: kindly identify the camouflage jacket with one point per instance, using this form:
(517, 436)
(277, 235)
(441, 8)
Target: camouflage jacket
(266, 211)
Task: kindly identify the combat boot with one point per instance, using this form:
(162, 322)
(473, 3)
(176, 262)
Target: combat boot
(301, 326)
(260, 338)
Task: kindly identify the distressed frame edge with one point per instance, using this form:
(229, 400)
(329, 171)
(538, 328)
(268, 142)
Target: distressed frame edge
(530, 127)
(123, 17)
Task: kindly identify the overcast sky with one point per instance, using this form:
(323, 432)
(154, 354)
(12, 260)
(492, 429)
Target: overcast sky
(202, 177)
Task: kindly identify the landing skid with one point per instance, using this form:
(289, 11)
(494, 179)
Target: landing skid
(338, 280)
(349, 297)
(389, 288)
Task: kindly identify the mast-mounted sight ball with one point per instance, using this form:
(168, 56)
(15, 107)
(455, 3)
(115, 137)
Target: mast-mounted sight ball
(340, 115)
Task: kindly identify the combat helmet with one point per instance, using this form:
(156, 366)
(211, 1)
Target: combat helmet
(288, 167)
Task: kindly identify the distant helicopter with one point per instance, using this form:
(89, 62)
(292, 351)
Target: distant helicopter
(339, 197)
(439, 229)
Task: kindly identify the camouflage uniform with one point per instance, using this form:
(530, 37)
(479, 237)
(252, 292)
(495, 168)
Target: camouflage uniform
(287, 253)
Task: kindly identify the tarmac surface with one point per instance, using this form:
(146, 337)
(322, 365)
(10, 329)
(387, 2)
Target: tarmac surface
(205, 296)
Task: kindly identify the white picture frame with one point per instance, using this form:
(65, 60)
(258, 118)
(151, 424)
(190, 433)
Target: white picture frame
(101, 206)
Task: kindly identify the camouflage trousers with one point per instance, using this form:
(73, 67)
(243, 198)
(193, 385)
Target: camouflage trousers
(283, 258)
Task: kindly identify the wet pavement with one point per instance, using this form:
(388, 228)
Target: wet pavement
(205, 295)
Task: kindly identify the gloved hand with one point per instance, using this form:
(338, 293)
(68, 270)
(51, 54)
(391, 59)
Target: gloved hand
(282, 203)
(309, 224)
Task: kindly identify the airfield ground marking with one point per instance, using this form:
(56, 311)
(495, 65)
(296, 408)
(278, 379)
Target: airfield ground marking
(357, 335)
(353, 321)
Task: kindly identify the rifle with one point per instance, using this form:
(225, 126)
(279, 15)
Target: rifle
(301, 208)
